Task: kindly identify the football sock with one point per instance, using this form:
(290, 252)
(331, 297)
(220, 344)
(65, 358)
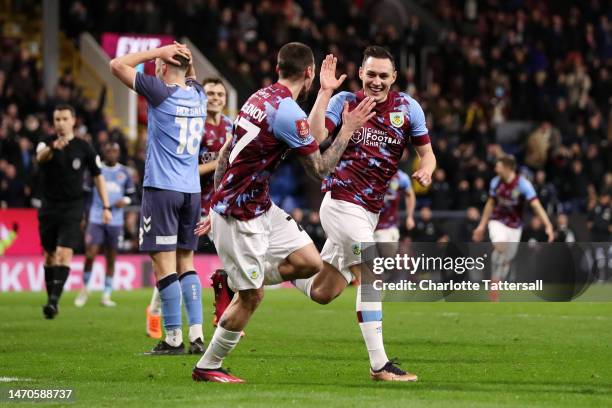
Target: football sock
(271, 274)
(108, 285)
(155, 302)
(170, 295)
(304, 285)
(222, 343)
(174, 337)
(49, 276)
(86, 278)
(195, 332)
(498, 260)
(60, 276)
(192, 298)
(369, 316)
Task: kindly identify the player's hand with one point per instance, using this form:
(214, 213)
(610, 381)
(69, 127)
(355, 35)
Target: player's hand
(203, 227)
(168, 52)
(107, 216)
(423, 177)
(550, 233)
(59, 143)
(409, 223)
(478, 234)
(356, 118)
(327, 76)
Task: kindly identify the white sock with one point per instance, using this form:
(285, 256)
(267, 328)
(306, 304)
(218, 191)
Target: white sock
(271, 274)
(369, 315)
(222, 343)
(174, 337)
(155, 302)
(195, 332)
(304, 285)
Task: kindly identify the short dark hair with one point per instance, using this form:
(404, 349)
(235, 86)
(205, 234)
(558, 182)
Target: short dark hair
(293, 59)
(376, 51)
(508, 161)
(65, 106)
(183, 62)
(215, 81)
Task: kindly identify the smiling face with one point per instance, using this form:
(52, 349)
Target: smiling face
(377, 75)
(217, 97)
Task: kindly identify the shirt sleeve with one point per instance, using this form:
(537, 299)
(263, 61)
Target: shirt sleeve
(333, 114)
(419, 135)
(526, 189)
(94, 164)
(493, 186)
(404, 181)
(153, 89)
(291, 126)
(129, 182)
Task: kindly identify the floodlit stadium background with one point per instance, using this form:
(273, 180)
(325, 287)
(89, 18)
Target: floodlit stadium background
(531, 78)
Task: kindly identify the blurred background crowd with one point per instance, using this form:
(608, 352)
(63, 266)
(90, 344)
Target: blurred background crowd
(530, 78)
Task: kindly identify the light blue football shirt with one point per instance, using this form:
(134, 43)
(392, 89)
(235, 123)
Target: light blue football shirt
(175, 127)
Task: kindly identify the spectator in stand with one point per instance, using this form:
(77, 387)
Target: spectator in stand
(469, 224)
(600, 219)
(479, 193)
(534, 231)
(563, 232)
(426, 229)
(547, 193)
(440, 191)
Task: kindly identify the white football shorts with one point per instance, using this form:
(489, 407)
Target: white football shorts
(245, 246)
(347, 226)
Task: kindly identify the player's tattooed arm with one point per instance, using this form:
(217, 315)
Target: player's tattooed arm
(222, 163)
(319, 165)
(329, 83)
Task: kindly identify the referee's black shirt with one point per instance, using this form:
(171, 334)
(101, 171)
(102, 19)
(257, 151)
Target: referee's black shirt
(62, 175)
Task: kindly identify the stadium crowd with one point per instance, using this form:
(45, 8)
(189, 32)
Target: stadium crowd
(545, 63)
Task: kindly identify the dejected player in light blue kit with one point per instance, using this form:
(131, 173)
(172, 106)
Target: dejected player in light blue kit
(171, 197)
(119, 188)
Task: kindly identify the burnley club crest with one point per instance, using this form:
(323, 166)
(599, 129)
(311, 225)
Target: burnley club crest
(397, 119)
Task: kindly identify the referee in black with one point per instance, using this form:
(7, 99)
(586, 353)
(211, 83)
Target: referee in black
(63, 160)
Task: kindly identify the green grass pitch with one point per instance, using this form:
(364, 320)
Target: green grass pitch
(297, 353)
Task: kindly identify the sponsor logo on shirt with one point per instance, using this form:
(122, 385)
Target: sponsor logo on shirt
(373, 137)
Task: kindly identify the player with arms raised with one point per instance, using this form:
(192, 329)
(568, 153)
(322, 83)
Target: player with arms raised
(350, 209)
(503, 213)
(251, 234)
(171, 197)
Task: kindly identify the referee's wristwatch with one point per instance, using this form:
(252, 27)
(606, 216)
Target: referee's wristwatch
(107, 208)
